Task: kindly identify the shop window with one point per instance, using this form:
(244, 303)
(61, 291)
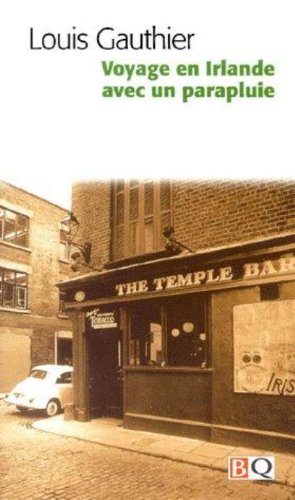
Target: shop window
(13, 289)
(269, 291)
(146, 339)
(186, 331)
(141, 210)
(14, 227)
(169, 333)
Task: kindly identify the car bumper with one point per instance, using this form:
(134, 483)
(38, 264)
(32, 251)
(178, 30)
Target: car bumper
(24, 402)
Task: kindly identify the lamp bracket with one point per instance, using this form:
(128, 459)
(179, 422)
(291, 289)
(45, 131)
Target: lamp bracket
(85, 250)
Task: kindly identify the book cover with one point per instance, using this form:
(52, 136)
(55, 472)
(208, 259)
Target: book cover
(147, 238)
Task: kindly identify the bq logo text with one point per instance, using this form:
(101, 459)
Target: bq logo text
(251, 468)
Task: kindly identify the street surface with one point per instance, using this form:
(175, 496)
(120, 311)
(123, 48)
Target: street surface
(43, 466)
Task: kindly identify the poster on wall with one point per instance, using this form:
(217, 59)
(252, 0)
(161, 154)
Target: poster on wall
(264, 348)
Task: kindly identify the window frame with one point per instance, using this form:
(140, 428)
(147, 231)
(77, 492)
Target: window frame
(164, 306)
(18, 215)
(16, 288)
(61, 304)
(125, 189)
(65, 254)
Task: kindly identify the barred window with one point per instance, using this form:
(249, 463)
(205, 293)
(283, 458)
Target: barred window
(141, 210)
(13, 289)
(14, 227)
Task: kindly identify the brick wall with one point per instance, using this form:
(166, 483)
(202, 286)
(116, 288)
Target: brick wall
(41, 349)
(41, 258)
(92, 207)
(208, 214)
(43, 250)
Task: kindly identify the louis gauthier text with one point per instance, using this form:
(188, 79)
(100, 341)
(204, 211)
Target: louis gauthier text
(110, 38)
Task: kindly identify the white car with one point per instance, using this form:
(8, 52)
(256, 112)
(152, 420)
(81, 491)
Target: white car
(48, 388)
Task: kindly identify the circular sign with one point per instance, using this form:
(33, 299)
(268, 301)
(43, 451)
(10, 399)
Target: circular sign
(79, 296)
(188, 327)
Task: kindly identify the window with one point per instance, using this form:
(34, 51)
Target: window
(14, 227)
(171, 332)
(65, 378)
(62, 309)
(269, 291)
(64, 245)
(146, 342)
(41, 374)
(141, 211)
(13, 289)
(186, 331)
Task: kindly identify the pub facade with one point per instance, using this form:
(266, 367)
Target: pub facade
(184, 322)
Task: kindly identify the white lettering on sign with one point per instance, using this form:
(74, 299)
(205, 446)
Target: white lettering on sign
(287, 264)
(269, 268)
(251, 270)
(101, 320)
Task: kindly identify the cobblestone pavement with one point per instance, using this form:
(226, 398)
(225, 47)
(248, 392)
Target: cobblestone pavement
(38, 465)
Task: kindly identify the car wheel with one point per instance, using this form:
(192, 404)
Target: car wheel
(53, 408)
(22, 409)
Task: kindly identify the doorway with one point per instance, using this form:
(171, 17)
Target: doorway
(105, 373)
(64, 354)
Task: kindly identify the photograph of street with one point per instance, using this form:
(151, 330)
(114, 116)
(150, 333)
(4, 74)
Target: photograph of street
(147, 341)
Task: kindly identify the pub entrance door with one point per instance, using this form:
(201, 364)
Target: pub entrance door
(105, 373)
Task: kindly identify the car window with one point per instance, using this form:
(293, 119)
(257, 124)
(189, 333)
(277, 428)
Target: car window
(64, 378)
(38, 374)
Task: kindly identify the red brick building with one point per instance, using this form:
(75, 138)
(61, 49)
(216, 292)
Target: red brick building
(191, 332)
(33, 329)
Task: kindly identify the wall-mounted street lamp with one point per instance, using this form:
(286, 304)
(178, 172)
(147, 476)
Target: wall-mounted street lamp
(70, 227)
(173, 246)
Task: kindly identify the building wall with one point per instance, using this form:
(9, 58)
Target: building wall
(15, 355)
(32, 332)
(209, 214)
(244, 410)
(172, 395)
(92, 206)
(205, 213)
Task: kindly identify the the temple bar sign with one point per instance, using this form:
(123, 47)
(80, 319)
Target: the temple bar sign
(100, 320)
(251, 270)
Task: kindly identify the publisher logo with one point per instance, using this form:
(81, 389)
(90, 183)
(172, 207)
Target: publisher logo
(251, 468)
